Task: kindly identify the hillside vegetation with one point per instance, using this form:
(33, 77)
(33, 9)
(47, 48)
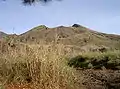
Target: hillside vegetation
(97, 60)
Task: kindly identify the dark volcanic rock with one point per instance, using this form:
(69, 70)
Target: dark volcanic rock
(76, 25)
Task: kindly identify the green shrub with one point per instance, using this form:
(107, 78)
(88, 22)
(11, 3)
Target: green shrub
(109, 60)
(78, 61)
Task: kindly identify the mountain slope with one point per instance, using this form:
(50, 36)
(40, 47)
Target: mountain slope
(75, 36)
(2, 34)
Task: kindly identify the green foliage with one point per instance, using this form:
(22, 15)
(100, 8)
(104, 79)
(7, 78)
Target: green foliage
(6, 38)
(78, 61)
(97, 60)
(1, 87)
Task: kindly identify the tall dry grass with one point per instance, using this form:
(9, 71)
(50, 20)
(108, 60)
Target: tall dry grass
(43, 66)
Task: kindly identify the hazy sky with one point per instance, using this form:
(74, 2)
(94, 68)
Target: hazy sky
(99, 15)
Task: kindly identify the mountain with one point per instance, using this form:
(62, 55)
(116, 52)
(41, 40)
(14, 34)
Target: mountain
(2, 34)
(75, 36)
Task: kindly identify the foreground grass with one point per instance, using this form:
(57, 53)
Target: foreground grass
(43, 67)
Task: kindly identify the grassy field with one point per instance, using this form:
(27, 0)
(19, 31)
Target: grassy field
(43, 67)
(52, 67)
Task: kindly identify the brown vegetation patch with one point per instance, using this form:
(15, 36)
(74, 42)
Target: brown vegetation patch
(18, 86)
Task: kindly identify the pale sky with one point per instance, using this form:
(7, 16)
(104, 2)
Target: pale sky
(99, 15)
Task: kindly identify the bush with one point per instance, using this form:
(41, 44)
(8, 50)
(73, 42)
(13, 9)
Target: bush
(109, 60)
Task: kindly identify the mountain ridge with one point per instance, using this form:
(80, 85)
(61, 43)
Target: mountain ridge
(2, 34)
(76, 36)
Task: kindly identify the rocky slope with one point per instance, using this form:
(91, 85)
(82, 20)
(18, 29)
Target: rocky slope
(75, 36)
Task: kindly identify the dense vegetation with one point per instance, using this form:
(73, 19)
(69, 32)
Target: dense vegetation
(37, 67)
(97, 60)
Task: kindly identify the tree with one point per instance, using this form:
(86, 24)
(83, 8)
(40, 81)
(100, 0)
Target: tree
(33, 1)
(30, 2)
